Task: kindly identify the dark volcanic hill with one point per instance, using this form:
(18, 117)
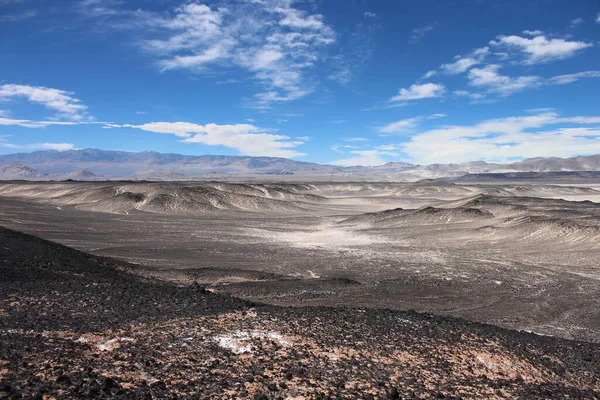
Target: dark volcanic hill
(75, 326)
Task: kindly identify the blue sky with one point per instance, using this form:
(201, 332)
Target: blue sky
(353, 82)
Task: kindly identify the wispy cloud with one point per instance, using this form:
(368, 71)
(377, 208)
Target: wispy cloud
(40, 146)
(401, 126)
(25, 123)
(418, 34)
(570, 78)
(356, 50)
(369, 14)
(273, 41)
(406, 125)
(58, 100)
(27, 14)
(468, 94)
(576, 22)
(463, 63)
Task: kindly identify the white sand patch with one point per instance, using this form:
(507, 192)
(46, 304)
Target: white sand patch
(323, 236)
(242, 342)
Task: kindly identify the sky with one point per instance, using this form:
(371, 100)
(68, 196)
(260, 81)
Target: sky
(343, 82)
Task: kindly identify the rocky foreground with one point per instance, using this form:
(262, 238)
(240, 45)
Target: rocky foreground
(74, 325)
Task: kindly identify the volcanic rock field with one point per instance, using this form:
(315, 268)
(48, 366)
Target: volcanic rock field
(299, 290)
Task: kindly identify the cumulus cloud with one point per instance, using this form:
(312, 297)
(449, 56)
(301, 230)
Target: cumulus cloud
(367, 158)
(570, 78)
(417, 92)
(540, 49)
(248, 139)
(542, 135)
(492, 81)
(275, 42)
(58, 100)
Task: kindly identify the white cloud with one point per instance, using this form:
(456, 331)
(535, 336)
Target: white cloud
(341, 148)
(462, 64)
(536, 32)
(246, 138)
(416, 92)
(370, 14)
(61, 101)
(459, 66)
(419, 33)
(44, 146)
(570, 78)
(356, 139)
(430, 74)
(406, 125)
(540, 49)
(18, 16)
(438, 115)
(598, 18)
(366, 158)
(489, 79)
(402, 126)
(502, 139)
(25, 123)
(466, 93)
(576, 22)
(275, 42)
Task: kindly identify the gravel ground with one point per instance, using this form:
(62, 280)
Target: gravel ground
(74, 325)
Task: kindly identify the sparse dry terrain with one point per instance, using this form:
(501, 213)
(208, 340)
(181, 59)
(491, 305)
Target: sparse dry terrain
(518, 256)
(80, 326)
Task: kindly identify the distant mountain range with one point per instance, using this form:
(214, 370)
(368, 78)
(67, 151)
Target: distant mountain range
(21, 171)
(88, 164)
